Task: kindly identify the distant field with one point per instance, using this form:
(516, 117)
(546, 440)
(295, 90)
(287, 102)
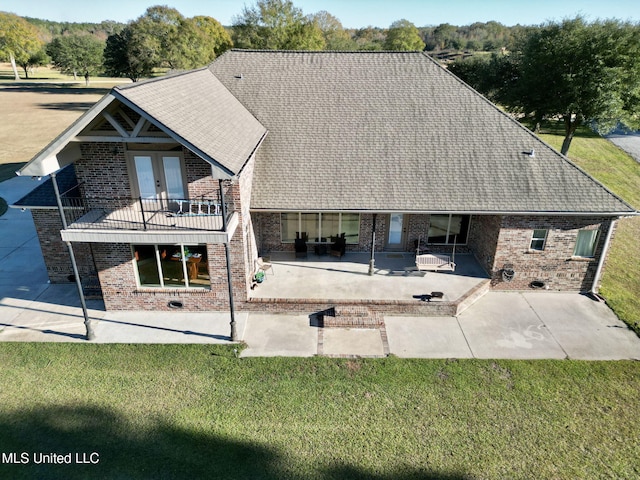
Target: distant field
(35, 111)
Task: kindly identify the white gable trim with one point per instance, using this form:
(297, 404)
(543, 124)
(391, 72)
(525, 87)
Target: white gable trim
(61, 152)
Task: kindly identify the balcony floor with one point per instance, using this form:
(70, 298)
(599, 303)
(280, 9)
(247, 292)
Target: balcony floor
(131, 219)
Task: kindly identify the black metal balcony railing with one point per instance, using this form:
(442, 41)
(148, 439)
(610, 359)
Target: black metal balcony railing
(202, 213)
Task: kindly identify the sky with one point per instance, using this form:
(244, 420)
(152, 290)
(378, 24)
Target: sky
(352, 13)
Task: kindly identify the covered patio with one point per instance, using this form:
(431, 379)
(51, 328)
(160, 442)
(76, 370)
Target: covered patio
(395, 278)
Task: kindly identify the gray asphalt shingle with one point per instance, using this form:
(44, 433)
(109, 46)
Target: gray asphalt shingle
(198, 108)
(393, 132)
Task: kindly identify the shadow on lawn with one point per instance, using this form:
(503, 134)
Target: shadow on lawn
(56, 88)
(121, 448)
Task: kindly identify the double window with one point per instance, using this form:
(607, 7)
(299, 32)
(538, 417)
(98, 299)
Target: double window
(320, 227)
(172, 266)
(448, 229)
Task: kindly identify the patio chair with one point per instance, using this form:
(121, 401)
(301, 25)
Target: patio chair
(301, 245)
(339, 246)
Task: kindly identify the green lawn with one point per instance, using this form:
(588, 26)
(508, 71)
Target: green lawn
(620, 173)
(193, 411)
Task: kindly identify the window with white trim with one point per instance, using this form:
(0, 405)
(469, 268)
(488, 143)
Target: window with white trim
(586, 243)
(320, 227)
(538, 239)
(171, 266)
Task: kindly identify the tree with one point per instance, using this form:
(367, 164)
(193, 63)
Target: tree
(36, 59)
(369, 38)
(77, 53)
(162, 37)
(580, 72)
(159, 30)
(210, 39)
(336, 38)
(126, 54)
(494, 76)
(276, 25)
(18, 40)
(403, 36)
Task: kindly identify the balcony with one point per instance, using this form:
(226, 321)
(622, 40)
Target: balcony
(183, 220)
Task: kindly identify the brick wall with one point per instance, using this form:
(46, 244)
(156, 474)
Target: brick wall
(103, 170)
(54, 250)
(200, 183)
(483, 239)
(555, 265)
(117, 277)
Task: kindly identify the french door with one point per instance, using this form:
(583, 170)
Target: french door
(159, 178)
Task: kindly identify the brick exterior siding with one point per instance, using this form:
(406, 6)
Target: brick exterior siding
(495, 240)
(54, 250)
(504, 241)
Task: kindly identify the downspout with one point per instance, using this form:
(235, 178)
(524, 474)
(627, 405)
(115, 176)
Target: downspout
(603, 255)
(234, 335)
(87, 321)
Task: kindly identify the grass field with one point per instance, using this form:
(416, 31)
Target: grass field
(35, 111)
(195, 411)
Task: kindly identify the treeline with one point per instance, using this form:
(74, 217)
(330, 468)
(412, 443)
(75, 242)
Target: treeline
(48, 29)
(162, 38)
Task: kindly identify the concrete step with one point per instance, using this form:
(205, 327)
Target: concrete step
(352, 316)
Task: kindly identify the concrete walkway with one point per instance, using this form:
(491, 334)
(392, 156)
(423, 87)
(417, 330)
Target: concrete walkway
(521, 325)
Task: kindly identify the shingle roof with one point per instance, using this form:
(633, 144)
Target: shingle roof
(199, 110)
(385, 131)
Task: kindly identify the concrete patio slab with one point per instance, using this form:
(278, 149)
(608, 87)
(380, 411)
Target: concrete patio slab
(586, 329)
(280, 336)
(360, 342)
(503, 325)
(166, 327)
(426, 337)
(347, 278)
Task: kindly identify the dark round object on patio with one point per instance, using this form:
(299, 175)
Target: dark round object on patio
(175, 304)
(537, 284)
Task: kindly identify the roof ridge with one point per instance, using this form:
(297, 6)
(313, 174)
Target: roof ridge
(157, 79)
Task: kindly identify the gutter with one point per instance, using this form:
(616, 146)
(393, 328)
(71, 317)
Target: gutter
(630, 213)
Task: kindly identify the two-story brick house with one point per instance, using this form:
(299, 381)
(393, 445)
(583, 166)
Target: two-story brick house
(173, 186)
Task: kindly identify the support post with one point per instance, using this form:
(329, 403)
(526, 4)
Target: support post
(372, 261)
(87, 321)
(234, 335)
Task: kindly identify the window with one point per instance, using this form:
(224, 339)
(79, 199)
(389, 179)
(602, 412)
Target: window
(320, 227)
(586, 243)
(448, 229)
(538, 240)
(172, 266)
